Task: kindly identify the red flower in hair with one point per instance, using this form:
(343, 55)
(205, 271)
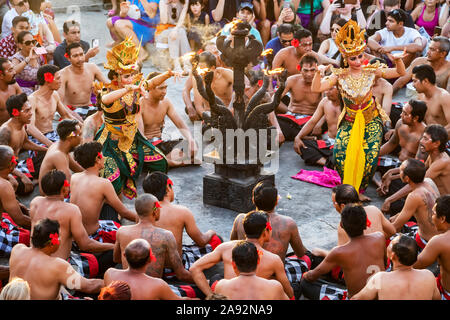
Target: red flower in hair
(169, 182)
(66, 183)
(260, 83)
(152, 257)
(13, 160)
(66, 56)
(295, 43)
(299, 67)
(54, 238)
(99, 155)
(268, 226)
(366, 62)
(157, 205)
(368, 223)
(48, 77)
(15, 112)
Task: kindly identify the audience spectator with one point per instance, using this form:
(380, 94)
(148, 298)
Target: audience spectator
(17, 8)
(267, 13)
(197, 19)
(223, 13)
(285, 35)
(287, 15)
(426, 15)
(141, 30)
(71, 33)
(378, 19)
(38, 26)
(26, 62)
(8, 44)
(307, 8)
(395, 38)
(329, 47)
(245, 14)
(171, 30)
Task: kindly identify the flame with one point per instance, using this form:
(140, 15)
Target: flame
(202, 71)
(189, 55)
(274, 71)
(266, 52)
(232, 25)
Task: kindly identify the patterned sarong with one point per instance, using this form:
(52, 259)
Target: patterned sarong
(85, 264)
(84, 111)
(445, 295)
(373, 134)
(323, 290)
(191, 253)
(295, 267)
(52, 136)
(187, 290)
(11, 234)
(106, 232)
(30, 167)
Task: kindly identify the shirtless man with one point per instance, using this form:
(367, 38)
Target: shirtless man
(438, 248)
(221, 85)
(404, 282)
(8, 201)
(76, 81)
(369, 250)
(154, 109)
(437, 52)
(438, 164)
(419, 203)
(8, 86)
(289, 58)
(174, 217)
(102, 199)
(162, 241)
(329, 109)
(52, 206)
(437, 99)
(258, 231)
(382, 91)
(57, 156)
(46, 275)
(285, 230)
(13, 133)
(247, 285)
(303, 101)
(44, 103)
(138, 255)
(408, 131)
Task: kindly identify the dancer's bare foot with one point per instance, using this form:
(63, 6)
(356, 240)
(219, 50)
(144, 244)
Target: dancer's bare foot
(364, 198)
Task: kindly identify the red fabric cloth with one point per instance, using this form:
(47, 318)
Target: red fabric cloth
(215, 241)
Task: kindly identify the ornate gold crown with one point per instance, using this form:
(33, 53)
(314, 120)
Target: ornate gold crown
(350, 39)
(122, 58)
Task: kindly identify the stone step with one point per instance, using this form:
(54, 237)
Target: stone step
(60, 6)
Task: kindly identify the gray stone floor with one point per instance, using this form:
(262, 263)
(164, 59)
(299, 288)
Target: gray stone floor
(310, 205)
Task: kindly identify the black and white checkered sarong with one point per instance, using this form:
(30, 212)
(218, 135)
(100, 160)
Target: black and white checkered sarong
(11, 234)
(295, 267)
(52, 136)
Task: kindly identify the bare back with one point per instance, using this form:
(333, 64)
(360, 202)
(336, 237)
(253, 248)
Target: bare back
(439, 170)
(408, 284)
(222, 84)
(409, 140)
(288, 59)
(332, 112)
(55, 209)
(360, 258)
(4, 95)
(250, 288)
(438, 106)
(426, 197)
(38, 269)
(16, 137)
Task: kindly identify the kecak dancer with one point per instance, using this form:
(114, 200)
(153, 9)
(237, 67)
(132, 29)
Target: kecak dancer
(125, 149)
(360, 125)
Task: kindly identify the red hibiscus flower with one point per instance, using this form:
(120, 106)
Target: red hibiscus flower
(157, 205)
(99, 155)
(54, 238)
(295, 43)
(368, 223)
(66, 56)
(299, 67)
(48, 77)
(66, 183)
(260, 83)
(152, 257)
(169, 182)
(13, 160)
(366, 62)
(15, 112)
(268, 226)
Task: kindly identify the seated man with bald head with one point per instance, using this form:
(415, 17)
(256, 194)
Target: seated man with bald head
(247, 285)
(139, 257)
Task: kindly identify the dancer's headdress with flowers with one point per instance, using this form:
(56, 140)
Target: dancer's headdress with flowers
(350, 39)
(123, 57)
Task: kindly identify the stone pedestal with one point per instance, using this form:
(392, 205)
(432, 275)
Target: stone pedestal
(230, 186)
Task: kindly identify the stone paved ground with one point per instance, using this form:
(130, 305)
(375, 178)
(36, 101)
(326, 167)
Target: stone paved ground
(310, 205)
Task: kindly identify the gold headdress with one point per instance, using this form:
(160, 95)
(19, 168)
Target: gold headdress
(350, 39)
(122, 58)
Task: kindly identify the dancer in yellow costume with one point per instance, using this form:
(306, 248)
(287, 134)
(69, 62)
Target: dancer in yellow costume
(360, 124)
(125, 149)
